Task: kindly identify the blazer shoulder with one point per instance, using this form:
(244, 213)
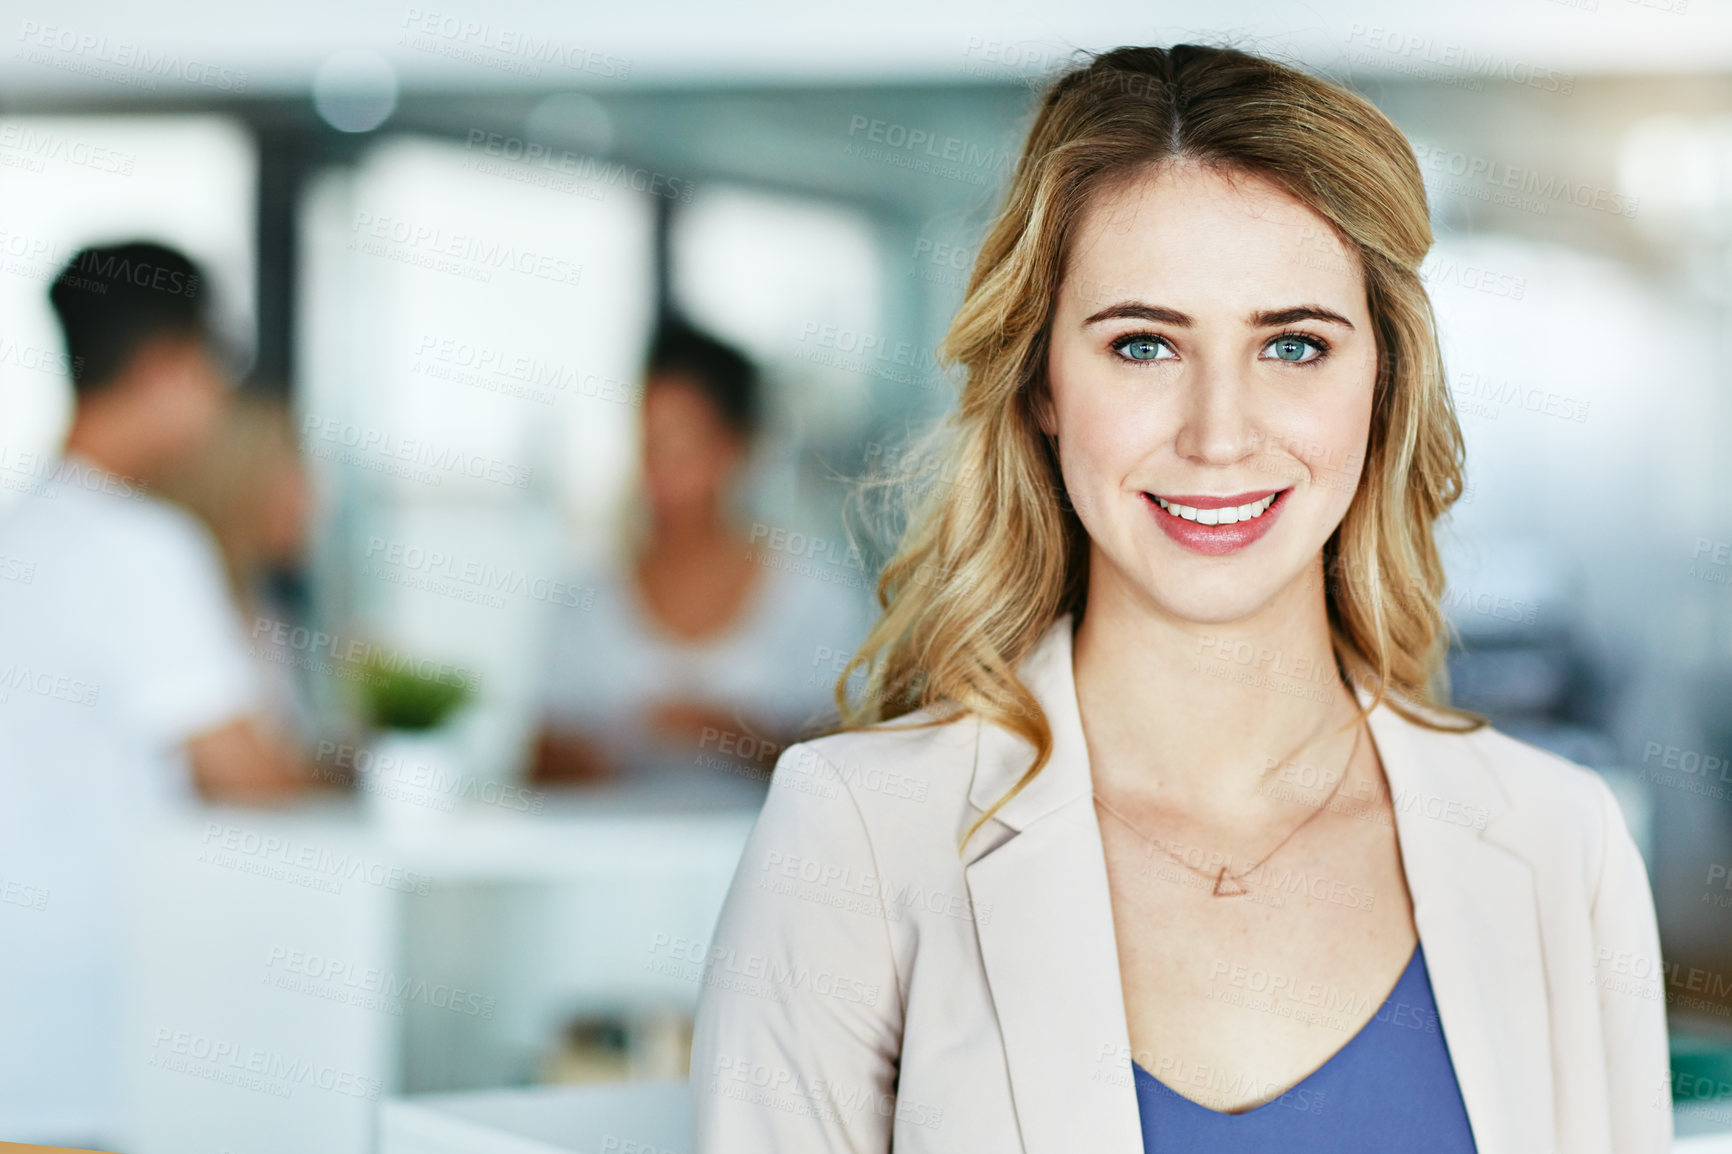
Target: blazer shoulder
(1537, 779)
(904, 779)
(1556, 807)
(919, 751)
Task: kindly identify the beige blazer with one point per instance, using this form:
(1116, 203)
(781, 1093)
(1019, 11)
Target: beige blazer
(867, 989)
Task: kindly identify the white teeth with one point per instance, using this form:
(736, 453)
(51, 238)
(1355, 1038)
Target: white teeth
(1227, 516)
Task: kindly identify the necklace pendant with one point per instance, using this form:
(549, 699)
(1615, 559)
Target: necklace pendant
(1227, 886)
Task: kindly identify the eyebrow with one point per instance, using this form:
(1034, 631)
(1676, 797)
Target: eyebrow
(1137, 310)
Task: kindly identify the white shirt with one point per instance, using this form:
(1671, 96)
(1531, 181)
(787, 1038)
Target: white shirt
(609, 661)
(118, 642)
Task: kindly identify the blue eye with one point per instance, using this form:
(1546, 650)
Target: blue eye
(1142, 347)
(1295, 350)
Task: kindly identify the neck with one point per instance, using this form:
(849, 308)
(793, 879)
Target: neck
(107, 444)
(699, 532)
(1201, 715)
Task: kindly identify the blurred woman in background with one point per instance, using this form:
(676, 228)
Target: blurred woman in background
(697, 657)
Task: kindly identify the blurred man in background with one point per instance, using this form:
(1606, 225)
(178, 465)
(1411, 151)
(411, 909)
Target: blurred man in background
(249, 486)
(126, 688)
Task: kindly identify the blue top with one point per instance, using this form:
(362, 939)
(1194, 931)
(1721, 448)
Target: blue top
(1389, 1090)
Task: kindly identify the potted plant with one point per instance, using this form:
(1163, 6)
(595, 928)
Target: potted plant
(410, 776)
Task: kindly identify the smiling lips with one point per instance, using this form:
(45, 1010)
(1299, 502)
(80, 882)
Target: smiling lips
(1217, 525)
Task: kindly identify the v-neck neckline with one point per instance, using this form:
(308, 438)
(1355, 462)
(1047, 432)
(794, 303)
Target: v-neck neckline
(1413, 960)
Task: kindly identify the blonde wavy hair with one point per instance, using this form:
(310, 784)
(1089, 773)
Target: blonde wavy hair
(993, 553)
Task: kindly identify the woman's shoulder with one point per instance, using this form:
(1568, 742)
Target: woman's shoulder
(1540, 803)
(901, 780)
(1525, 773)
(1533, 775)
(931, 749)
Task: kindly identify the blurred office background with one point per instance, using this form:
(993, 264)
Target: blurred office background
(444, 236)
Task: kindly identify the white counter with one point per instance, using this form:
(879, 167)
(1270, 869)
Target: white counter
(627, 1118)
(296, 969)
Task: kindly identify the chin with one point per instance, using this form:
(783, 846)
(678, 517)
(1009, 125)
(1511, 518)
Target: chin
(1211, 606)
(1213, 591)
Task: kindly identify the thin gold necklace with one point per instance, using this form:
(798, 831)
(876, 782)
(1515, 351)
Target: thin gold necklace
(1230, 885)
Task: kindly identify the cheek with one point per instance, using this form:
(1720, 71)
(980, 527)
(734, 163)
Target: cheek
(1331, 444)
(1096, 458)
(1102, 430)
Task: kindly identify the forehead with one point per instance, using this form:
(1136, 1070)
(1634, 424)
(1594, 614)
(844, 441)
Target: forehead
(1191, 237)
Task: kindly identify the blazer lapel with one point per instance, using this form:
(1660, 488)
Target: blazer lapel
(1048, 947)
(1475, 908)
(1051, 957)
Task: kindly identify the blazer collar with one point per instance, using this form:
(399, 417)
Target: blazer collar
(1002, 757)
(1051, 957)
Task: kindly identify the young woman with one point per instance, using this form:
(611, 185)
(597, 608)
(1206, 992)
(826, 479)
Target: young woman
(1152, 832)
(694, 631)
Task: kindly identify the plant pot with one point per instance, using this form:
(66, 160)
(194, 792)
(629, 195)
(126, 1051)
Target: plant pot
(412, 780)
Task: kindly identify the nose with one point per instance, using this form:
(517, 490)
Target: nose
(1217, 425)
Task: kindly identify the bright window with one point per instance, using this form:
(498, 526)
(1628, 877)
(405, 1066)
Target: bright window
(187, 181)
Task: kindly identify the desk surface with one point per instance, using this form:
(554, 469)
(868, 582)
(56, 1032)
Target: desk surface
(594, 835)
(655, 1118)
(645, 1117)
